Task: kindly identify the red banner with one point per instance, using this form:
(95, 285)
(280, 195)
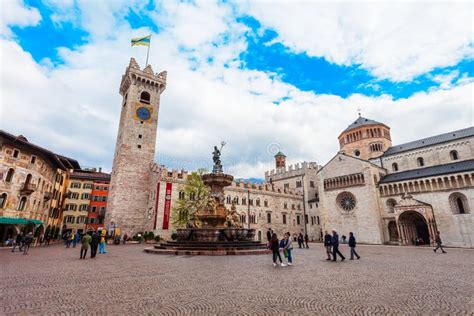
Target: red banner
(157, 199)
(166, 216)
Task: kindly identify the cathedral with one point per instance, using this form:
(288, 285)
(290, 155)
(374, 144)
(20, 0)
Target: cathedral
(383, 193)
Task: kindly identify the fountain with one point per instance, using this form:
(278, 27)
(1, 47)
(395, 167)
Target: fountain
(213, 230)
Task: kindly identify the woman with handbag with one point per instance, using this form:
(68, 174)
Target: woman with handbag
(288, 248)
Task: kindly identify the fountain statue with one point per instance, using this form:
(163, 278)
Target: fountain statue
(214, 229)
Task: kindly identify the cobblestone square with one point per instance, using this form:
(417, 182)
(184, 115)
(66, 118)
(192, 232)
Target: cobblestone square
(127, 281)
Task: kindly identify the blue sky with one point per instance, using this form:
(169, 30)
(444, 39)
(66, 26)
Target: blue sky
(316, 63)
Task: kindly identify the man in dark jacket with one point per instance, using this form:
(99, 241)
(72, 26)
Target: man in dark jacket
(27, 242)
(438, 243)
(335, 246)
(327, 244)
(352, 245)
(94, 244)
(18, 242)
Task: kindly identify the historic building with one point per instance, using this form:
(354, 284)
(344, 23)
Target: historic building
(33, 183)
(382, 193)
(86, 200)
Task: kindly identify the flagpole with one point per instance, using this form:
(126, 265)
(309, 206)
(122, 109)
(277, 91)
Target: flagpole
(148, 52)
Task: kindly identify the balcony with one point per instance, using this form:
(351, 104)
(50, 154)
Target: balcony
(28, 188)
(47, 196)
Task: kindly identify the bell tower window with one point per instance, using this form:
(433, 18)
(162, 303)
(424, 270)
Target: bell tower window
(145, 97)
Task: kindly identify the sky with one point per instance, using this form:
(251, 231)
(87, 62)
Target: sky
(262, 76)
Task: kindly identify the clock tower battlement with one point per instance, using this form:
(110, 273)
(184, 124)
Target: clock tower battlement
(135, 148)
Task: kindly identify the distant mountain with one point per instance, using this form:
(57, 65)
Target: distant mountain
(253, 180)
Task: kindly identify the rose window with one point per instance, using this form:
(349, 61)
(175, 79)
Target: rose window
(346, 201)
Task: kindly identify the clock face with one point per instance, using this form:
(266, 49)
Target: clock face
(143, 113)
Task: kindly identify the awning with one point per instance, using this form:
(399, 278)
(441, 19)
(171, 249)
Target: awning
(18, 221)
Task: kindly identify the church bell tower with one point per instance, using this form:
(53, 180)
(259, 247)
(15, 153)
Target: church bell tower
(135, 148)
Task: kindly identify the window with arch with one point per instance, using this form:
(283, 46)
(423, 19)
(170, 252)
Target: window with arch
(181, 195)
(459, 204)
(243, 218)
(236, 200)
(265, 203)
(257, 202)
(285, 206)
(269, 218)
(317, 219)
(284, 219)
(22, 204)
(394, 167)
(252, 219)
(3, 200)
(10, 174)
(228, 199)
(420, 161)
(145, 97)
(454, 155)
(391, 205)
(244, 201)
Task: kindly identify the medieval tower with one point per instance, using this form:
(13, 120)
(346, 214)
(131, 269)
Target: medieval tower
(135, 148)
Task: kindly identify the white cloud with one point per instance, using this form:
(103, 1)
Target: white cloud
(73, 108)
(15, 13)
(396, 41)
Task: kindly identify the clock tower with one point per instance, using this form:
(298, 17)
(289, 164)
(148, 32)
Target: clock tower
(135, 149)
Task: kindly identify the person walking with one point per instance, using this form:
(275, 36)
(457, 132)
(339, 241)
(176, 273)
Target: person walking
(47, 238)
(27, 243)
(102, 242)
(327, 244)
(75, 239)
(125, 237)
(275, 247)
(288, 248)
(306, 240)
(18, 242)
(438, 242)
(300, 240)
(352, 245)
(86, 241)
(94, 244)
(335, 246)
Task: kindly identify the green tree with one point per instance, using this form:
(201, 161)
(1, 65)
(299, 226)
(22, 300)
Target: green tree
(196, 197)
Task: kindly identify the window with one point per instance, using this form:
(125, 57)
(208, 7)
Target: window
(140, 136)
(420, 161)
(22, 204)
(139, 146)
(286, 186)
(228, 199)
(306, 218)
(16, 153)
(85, 196)
(391, 205)
(292, 206)
(252, 219)
(311, 184)
(312, 220)
(298, 207)
(298, 220)
(310, 205)
(75, 195)
(459, 204)
(33, 159)
(317, 219)
(298, 184)
(357, 152)
(394, 167)
(104, 198)
(145, 97)
(269, 218)
(243, 218)
(285, 205)
(257, 202)
(86, 186)
(265, 203)
(69, 219)
(76, 185)
(250, 202)
(181, 195)
(84, 207)
(346, 201)
(236, 200)
(284, 218)
(454, 155)
(94, 209)
(91, 220)
(3, 200)
(244, 201)
(10, 174)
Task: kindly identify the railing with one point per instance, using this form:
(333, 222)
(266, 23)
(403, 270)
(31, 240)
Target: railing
(28, 188)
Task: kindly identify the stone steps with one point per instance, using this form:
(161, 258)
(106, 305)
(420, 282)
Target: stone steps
(207, 252)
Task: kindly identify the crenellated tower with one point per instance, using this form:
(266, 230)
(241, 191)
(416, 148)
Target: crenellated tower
(135, 148)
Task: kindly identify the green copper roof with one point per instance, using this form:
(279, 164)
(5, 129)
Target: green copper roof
(280, 154)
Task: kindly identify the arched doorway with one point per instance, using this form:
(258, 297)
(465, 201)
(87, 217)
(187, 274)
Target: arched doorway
(413, 226)
(393, 231)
